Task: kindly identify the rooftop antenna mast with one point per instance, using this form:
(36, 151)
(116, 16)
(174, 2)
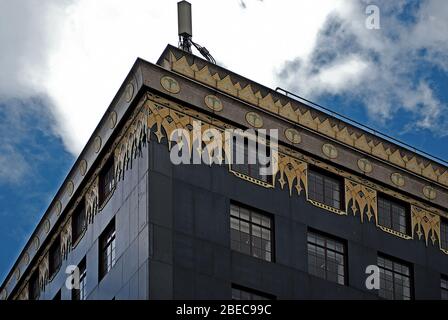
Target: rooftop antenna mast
(185, 31)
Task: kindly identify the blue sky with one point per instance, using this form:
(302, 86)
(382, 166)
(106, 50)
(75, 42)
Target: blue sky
(61, 67)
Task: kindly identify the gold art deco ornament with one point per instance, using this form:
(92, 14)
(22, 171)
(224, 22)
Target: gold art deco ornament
(397, 179)
(169, 84)
(364, 165)
(425, 224)
(254, 119)
(362, 200)
(330, 151)
(293, 135)
(70, 188)
(306, 118)
(213, 103)
(129, 92)
(112, 120)
(83, 167)
(58, 207)
(429, 192)
(97, 144)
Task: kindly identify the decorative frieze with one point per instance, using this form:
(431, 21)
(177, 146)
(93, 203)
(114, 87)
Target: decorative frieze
(91, 199)
(44, 272)
(425, 224)
(24, 294)
(362, 199)
(66, 238)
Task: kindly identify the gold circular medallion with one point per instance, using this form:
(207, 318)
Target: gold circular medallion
(365, 165)
(47, 225)
(397, 179)
(97, 144)
(58, 207)
(26, 258)
(112, 119)
(70, 188)
(429, 192)
(36, 242)
(129, 92)
(83, 167)
(213, 102)
(17, 274)
(293, 135)
(254, 119)
(170, 84)
(330, 151)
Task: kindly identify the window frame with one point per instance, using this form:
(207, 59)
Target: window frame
(267, 179)
(106, 172)
(80, 294)
(443, 233)
(391, 202)
(33, 286)
(76, 234)
(402, 263)
(54, 254)
(104, 243)
(261, 294)
(344, 254)
(326, 175)
(271, 229)
(443, 290)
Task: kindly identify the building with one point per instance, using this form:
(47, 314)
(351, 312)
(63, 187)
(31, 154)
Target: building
(140, 227)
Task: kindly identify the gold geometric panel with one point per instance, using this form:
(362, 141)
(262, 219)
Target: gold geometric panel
(292, 170)
(66, 238)
(44, 273)
(426, 223)
(361, 198)
(91, 201)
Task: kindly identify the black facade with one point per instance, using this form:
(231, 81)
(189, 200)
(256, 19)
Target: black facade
(172, 234)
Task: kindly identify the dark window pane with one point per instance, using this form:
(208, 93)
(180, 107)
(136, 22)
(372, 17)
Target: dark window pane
(107, 249)
(324, 189)
(54, 257)
(106, 180)
(444, 233)
(395, 281)
(33, 286)
(326, 257)
(250, 233)
(250, 165)
(240, 293)
(78, 222)
(393, 215)
(444, 288)
(80, 294)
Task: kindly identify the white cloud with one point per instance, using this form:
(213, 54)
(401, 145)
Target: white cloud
(77, 52)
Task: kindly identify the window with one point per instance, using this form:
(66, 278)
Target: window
(325, 188)
(54, 257)
(107, 249)
(78, 222)
(444, 288)
(393, 215)
(80, 294)
(106, 181)
(395, 279)
(444, 233)
(33, 286)
(243, 166)
(326, 257)
(251, 232)
(241, 293)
